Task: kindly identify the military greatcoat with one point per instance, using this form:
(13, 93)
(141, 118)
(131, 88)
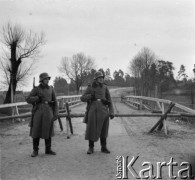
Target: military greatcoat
(98, 113)
(45, 109)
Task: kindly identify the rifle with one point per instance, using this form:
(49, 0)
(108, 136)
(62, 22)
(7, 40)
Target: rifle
(33, 108)
(85, 119)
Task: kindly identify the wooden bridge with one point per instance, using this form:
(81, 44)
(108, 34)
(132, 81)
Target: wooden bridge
(153, 107)
(128, 136)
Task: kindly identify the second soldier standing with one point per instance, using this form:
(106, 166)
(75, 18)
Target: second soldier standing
(99, 111)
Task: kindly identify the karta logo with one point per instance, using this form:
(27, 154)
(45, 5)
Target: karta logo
(125, 167)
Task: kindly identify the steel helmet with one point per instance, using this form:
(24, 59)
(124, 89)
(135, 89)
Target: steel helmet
(98, 74)
(43, 76)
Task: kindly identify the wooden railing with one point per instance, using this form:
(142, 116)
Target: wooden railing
(139, 102)
(151, 104)
(72, 101)
(160, 106)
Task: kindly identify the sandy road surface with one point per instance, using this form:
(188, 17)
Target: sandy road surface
(127, 137)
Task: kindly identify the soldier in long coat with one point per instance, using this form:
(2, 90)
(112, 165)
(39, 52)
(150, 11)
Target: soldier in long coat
(45, 111)
(99, 111)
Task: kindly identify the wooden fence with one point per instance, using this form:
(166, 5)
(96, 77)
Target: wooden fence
(72, 101)
(155, 104)
(140, 102)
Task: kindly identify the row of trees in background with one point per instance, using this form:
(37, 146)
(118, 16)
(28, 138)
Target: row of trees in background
(153, 77)
(21, 49)
(80, 69)
(119, 79)
(151, 74)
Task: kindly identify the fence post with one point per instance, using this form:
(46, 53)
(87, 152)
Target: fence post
(141, 104)
(17, 112)
(164, 121)
(68, 117)
(67, 129)
(60, 123)
(164, 116)
(158, 105)
(163, 124)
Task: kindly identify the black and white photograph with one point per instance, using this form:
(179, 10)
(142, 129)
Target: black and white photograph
(97, 89)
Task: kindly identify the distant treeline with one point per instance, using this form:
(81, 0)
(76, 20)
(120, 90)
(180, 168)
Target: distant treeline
(118, 79)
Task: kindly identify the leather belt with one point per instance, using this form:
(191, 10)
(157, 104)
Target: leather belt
(96, 100)
(45, 102)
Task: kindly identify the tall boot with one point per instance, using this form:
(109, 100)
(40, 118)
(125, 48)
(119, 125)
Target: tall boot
(48, 147)
(104, 148)
(91, 147)
(35, 147)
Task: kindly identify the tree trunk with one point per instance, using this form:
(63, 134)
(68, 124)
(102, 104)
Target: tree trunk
(77, 88)
(8, 94)
(77, 91)
(14, 70)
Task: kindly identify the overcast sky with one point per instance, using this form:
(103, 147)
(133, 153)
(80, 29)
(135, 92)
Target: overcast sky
(111, 31)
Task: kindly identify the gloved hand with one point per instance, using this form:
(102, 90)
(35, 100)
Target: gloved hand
(88, 97)
(92, 97)
(37, 99)
(105, 102)
(40, 97)
(111, 116)
(55, 117)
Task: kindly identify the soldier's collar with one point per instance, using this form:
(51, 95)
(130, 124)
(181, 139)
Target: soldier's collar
(42, 86)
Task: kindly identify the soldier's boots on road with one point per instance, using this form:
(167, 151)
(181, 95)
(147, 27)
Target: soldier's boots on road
(34, 154)
(91, 147)
(48, 147)
(35, 147)
(105, 150)
(90, 150)
(50, 152)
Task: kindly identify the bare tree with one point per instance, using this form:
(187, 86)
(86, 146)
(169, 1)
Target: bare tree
(140, 67)
(19, 45)
(76, 68)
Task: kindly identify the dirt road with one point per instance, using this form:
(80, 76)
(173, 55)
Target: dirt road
(127, 137)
